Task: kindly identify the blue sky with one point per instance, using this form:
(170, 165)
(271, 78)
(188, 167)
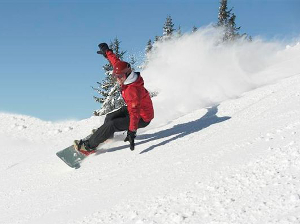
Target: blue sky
(48, 59)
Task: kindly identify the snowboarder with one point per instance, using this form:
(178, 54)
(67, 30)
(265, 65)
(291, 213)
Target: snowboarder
(137, 114)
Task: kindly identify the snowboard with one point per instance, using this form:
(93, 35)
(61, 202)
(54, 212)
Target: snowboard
(72, 157)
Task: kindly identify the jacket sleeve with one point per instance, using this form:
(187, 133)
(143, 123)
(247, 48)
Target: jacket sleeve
(112, 58)
(134, 105)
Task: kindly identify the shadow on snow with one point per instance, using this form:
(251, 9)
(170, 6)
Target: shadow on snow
(177, 131)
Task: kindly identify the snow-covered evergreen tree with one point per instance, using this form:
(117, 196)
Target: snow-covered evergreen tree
(148, 47)
(224, 14)
(194, 29)
(109, 89)
(157, 39)
(178, 32)
(226, 20)
(132, 62)
(232, 29)
(148, 50)
(168, 28)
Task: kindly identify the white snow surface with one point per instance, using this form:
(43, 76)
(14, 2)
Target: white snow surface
(237, 161)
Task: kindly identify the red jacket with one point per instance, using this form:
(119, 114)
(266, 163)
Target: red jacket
(137, 98)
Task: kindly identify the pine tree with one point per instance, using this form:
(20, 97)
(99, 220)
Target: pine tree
(132, 61)
(157, 38)
(226, 19)
(148, 47)
(232, 29)
(224, 14)
(148, 50)
(179, 33)
(194, 29)
(168, 28)
(109, 89)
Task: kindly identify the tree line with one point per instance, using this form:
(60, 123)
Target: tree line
(110, 96)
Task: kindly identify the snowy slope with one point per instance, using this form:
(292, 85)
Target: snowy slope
(237, 162)
(223, 147)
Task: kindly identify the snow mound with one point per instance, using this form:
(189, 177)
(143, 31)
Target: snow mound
(236, 162)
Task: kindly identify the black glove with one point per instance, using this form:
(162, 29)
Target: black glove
(130, 137)
(103, 48)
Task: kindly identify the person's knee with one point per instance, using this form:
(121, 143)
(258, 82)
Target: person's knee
(108, 118)
(109, 123)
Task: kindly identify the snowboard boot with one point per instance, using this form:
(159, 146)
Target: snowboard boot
(82, 147)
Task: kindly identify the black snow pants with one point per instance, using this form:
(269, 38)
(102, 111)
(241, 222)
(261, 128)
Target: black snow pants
(115, 121)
